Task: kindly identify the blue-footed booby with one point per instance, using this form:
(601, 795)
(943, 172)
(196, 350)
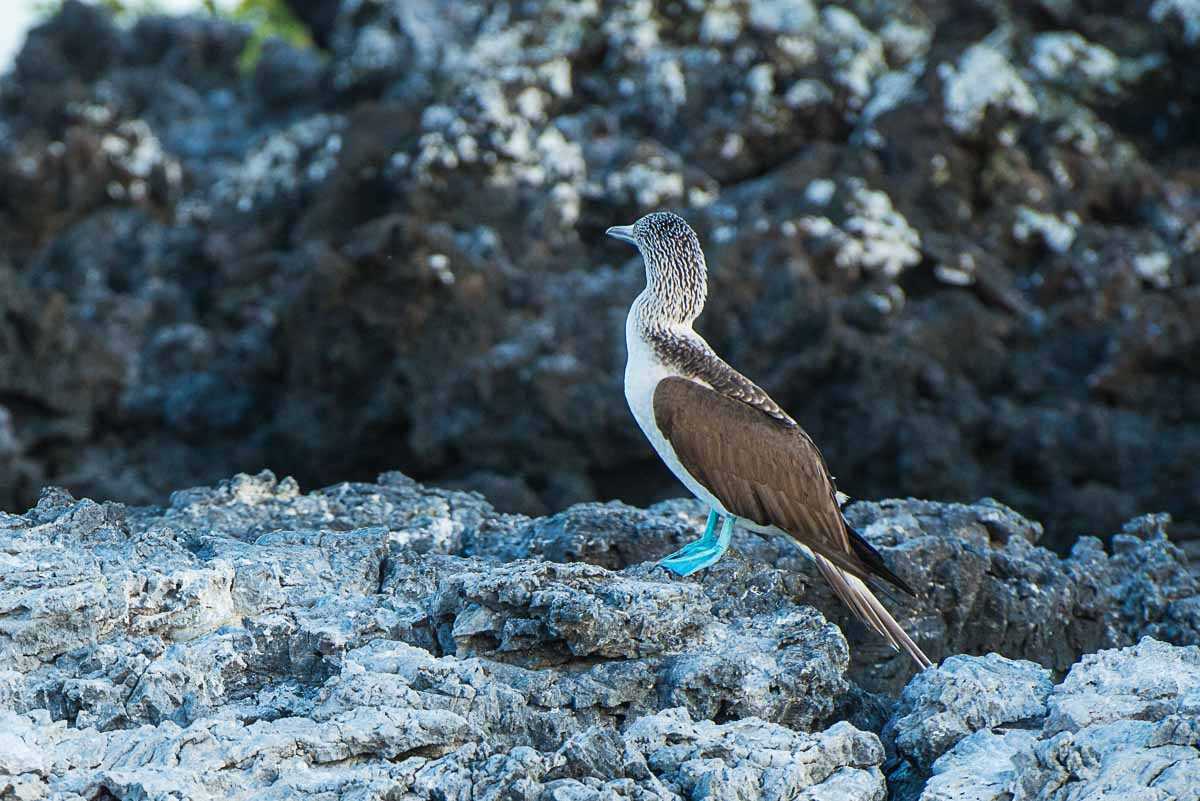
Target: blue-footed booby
(724, 438)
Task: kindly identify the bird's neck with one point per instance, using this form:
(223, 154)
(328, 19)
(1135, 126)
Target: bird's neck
(674, 295)
(671, 343)
(656, 311)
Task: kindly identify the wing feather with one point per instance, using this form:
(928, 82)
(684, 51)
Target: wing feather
(763, 467)
(858, 596)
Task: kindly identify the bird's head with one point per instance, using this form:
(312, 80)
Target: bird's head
(676, 274)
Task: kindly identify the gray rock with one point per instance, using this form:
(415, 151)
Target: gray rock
(984, 582)
(564, 612)
(963, 695)
(289, 643)
(397, 719)
(369, 640)
(612, 535)
(1150, 681)
(979, 768)
(1123, 724)
(986, 586)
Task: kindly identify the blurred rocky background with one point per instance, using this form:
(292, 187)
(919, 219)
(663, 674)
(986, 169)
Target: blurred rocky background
(960, 241)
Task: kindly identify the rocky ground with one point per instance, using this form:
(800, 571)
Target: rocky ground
(391, 641)
(960, 241)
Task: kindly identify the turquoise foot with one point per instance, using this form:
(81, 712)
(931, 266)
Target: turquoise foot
(703, 552)
(685, 564)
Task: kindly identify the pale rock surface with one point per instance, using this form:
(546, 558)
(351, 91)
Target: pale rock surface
(389, 640)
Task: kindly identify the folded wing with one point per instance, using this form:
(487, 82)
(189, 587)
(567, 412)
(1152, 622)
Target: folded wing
(766, 469)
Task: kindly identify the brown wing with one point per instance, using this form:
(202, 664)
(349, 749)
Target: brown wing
(761, 467)
(765, 468)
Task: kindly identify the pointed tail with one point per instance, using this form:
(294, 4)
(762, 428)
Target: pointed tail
(858, 596)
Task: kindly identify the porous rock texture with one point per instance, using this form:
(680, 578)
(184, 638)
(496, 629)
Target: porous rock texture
(393, 641)
(960, 242)
(1123, 724)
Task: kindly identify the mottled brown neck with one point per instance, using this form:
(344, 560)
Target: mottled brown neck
(690, 356)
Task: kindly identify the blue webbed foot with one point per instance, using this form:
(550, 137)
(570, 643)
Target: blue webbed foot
(701, 545)
(682, 564)
(703, 552)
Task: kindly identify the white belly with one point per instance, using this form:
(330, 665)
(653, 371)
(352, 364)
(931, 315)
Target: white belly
(643, 371)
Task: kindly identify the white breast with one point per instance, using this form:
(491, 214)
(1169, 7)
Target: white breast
(643, 371)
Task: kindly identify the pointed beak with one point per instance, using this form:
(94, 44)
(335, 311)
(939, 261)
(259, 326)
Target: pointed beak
(622, 232)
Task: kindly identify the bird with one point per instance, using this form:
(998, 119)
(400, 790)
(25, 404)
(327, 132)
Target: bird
(727, 441)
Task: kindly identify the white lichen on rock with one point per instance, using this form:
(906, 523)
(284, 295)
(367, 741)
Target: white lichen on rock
(807, 92)
(131, 160)
(506, 128)
(882, 240)
(1187, 12)
(1056, 233)
(788, 17)
(648, 185)
(721, 23)
(960, 273)
(904, 42)
(633, 30)
(761, 82)
(1065, 57)
(874, 237)
(855, 53)
(820, 191)
(1153, 268)
(983, 80)
(305, 152)
(892, 90)
(667, 83)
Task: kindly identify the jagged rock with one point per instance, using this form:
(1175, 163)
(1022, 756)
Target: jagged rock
(436, 755)
(1123, 724)
(987, 586)
(984, 584)
(612, 535)
(959, 245)
(963, 695)
(342, 625)
(386, 638)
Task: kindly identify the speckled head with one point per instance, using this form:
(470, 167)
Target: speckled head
(676, 275)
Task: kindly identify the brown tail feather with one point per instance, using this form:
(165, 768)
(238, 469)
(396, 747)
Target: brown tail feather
(858, 596)
(874, 562)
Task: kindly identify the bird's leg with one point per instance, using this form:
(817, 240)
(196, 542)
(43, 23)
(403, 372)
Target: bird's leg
(704, 551)
(706, 542)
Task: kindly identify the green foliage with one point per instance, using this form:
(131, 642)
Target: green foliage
(265, 18)
(123, 9)
(131, 8)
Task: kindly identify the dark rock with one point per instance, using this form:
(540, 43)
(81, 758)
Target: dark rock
(318, 15)
(390, 255)
(285, 74)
